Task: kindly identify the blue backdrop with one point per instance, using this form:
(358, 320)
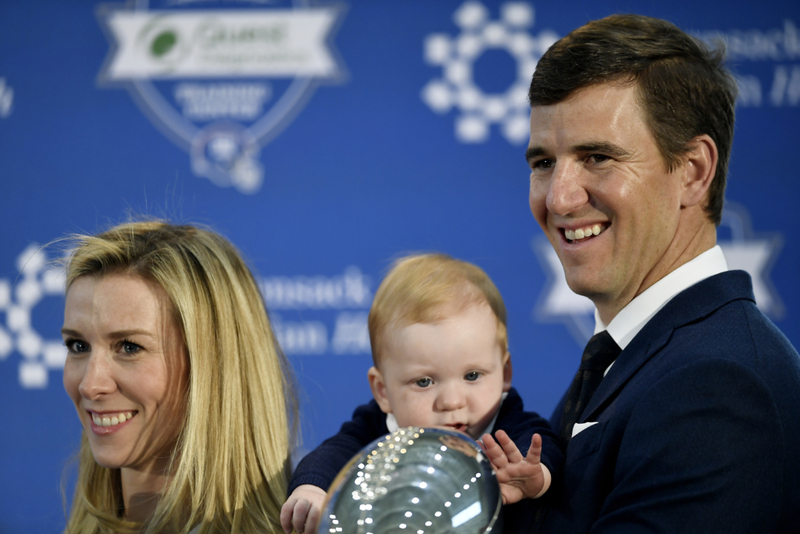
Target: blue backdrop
(324, 140)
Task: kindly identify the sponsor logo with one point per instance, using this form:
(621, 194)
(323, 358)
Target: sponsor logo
(222, 83)
(40, 354)
(778, 47)
(342, 300)
(6, 98)
(457, 56)
(743, 249)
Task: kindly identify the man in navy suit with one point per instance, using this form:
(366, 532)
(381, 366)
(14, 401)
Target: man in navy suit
(695, 426)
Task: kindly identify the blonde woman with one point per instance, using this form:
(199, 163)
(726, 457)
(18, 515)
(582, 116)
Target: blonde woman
(185, 398)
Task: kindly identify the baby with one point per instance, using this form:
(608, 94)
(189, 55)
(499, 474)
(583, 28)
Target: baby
(440, 351)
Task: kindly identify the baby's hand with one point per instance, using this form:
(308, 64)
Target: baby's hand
(519, 477)
(302, 509)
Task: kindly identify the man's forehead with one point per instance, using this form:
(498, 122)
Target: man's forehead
(591, 117)
(594, 98)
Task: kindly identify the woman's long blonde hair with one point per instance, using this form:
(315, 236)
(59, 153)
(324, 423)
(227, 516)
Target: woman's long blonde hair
(231, 466)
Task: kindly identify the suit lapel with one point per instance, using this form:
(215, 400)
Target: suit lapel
(696, 302)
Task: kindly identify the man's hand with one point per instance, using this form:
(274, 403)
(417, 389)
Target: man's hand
(302, 509)
(519, 478)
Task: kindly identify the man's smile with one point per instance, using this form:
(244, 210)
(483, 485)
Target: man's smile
(583, 233)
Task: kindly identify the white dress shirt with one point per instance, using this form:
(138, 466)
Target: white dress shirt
(632, 318)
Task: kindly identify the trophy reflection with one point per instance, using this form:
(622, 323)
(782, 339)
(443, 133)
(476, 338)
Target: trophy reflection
(415, 481)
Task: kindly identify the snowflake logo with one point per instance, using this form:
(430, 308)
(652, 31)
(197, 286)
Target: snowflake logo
(36, 281)
(456, 56)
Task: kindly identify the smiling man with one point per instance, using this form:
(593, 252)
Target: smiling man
(683, 416)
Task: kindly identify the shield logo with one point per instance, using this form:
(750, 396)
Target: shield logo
(222, 79)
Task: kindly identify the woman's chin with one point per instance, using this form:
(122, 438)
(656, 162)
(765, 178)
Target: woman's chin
(108, 463)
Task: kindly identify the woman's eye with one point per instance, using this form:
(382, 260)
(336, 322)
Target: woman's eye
(129, 347)
(76, 345)
(472, 376)
(423, 382)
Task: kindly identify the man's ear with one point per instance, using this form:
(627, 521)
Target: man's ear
(699, 168)
(507, 372)
(378, 387)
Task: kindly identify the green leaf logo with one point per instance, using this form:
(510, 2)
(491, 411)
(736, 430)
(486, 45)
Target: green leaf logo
(163, 43)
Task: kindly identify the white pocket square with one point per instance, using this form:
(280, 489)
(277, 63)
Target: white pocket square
(580, 427)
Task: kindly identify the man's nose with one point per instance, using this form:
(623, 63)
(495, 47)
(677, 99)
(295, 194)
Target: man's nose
(566, 192)
(97, 378)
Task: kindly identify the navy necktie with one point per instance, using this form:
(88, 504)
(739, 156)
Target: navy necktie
(600, 352)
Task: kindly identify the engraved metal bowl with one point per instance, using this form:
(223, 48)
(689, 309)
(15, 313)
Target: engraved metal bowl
(415, 481)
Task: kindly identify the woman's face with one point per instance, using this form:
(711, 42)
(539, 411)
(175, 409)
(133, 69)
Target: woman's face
(126, 371)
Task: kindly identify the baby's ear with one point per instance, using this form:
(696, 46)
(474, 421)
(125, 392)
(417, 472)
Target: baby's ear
(507, 371)
(378, 387)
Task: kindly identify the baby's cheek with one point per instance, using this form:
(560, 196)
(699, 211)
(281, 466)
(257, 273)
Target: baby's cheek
(415, 416)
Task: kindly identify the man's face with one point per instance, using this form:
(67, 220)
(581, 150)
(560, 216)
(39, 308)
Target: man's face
(601, 193)
(449, 374)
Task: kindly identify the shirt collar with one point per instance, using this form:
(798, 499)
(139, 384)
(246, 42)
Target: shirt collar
(632, 318)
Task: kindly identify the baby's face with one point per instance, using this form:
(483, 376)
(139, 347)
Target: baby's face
(450, 374)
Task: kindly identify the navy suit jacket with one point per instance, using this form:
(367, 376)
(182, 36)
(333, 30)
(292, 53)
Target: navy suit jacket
(698, 426)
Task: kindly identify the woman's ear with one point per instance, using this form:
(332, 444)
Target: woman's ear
(699, 168)
(378, 387)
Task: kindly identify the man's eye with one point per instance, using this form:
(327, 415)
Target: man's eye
(76, 345)
(423, 382)
(472, 376)
(599, 158)
(541, 164)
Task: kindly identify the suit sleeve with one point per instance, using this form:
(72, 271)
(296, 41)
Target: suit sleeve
(702, 452)
(320, 466)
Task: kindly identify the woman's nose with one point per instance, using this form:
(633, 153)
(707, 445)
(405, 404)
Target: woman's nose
(97, 378)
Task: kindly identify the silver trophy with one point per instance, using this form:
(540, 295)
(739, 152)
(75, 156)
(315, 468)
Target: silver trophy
(415, 481)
